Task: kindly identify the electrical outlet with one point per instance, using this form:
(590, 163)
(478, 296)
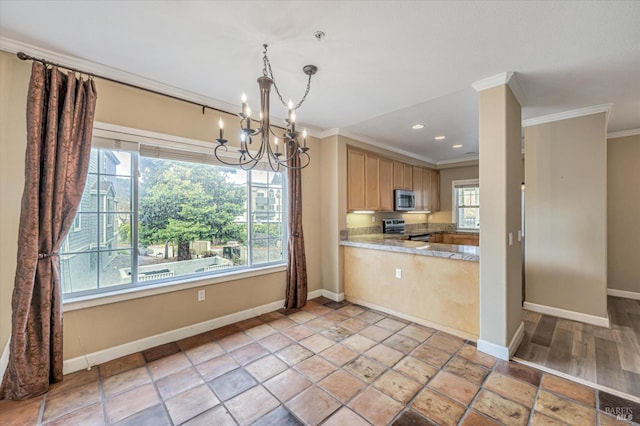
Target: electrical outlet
(510, 238)
(373, 219)
(398, 273)
(201, 295)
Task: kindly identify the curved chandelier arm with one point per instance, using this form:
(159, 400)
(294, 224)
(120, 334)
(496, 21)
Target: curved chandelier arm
(240, 161)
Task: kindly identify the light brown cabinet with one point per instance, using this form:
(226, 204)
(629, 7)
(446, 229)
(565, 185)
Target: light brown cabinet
(460, 239)
(418, 187)
(372, 182)
(386, 184)
(402, 176)
(426, 189)
(435, 191)
(355, 179)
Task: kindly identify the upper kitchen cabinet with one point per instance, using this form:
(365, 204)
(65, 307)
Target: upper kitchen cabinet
(372, 182)
(435, 191)
(386, 184)
(418, 187)
(402, 176)
(426, 189)
(356, 172)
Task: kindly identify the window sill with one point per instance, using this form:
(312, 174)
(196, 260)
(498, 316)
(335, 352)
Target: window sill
(77, 303)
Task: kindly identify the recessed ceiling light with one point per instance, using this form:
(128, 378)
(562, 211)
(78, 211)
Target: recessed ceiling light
(456, 146)
(439, 138)
(417, 126)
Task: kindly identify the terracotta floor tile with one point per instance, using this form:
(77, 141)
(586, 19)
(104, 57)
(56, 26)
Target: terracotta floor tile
(402, 343)
(152, 416)
(261, 331)
(313, 405)
(20, 413)
(234, 341)
(438, 408)
(315, 368)
(375, 406)
(167, 365)
(335, 305)
(339, 355)
(501, 409)
(416, 369)
(563, 409)
(217, 416)
(298, 332)
(276, 342)
(465, 368)
(515, 390)
(71, 400)
(278, 417)
(194, 341)
(358, 343)
(178, 382)
(472, 354)
(233, 383)
(518, 371)
(344, 417)
(225, 331)
(384, 354)
(191, 403)
(454, 387)
(72, 380)
(431, 356)
(302, 317)
(365, 369)
(342, 385)
(337, 333)
(161, 351)
(445, 342)
(124, 363)
(282, 323)
(354, 324)
(539, 419)
(294, 354)
(271, 316)
(266, 367)
(371, 317)
(249, 353)
(318, 310)
(216, 367)
(92, 415)
(125, 380)
(420, 334)
(411, 418)
(569, 389)
(251, 405)
(205, 352)
(131, 402)
(350, 311)
(397, 386)
(391, 324)
(287, 384)
(316, 343)
(473, 418)
(319, 324)
(335, 317)
(249, 323)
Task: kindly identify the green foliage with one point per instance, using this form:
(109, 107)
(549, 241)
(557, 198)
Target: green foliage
(182, 202)
(124, 231)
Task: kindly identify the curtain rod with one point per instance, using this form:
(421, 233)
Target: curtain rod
(23, 56)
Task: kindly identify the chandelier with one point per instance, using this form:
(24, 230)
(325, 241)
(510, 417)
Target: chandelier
(290, 153)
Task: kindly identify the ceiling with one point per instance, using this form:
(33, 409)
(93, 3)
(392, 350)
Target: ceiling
(383, 66)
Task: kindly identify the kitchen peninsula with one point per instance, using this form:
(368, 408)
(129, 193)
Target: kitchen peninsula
(433, 284)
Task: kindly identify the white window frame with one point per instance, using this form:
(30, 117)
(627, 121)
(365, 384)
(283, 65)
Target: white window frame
(116, 137)
(454, 200)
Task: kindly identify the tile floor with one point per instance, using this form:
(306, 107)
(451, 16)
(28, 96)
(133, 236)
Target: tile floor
(330, 363)
(607, 356)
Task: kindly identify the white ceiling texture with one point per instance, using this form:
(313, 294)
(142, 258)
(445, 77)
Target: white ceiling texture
(383, 65)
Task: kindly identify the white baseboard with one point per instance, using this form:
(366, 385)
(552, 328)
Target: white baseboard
(503, 352)
(89, 360)
(571, 315)
(336, 297)
(623, 293)
(4, 358)
(421, 321)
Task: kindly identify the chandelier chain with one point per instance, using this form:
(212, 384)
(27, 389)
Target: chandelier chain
(267, 72)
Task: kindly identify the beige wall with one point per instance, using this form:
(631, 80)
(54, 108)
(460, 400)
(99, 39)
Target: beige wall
(96, 328)
(446, 177)
(566, 214)
(500, 181)
(623, 213)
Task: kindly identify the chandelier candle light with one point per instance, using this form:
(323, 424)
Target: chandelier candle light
(291, 146)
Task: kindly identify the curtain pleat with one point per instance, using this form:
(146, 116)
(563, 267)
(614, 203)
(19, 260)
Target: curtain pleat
(296, 295)
(60, 113)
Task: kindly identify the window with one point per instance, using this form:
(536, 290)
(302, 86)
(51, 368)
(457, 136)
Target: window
(466, 204)
(157, 219)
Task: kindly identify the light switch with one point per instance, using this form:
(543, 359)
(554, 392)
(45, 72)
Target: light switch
(510, 238)
(519, 235)
(398, 273)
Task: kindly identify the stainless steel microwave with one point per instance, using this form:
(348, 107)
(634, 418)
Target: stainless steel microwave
(404, 200)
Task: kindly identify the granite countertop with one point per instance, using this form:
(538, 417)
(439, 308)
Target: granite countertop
(396, 244)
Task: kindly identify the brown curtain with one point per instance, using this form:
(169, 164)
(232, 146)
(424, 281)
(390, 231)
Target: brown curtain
(297, 263)
(60, 111)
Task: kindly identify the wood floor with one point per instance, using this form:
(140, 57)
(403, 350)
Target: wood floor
(606, 356)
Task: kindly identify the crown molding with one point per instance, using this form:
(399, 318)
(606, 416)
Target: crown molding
(385, 146)
(469, 159)
(623, 133)
(493, 81)
(329, 132)
(580, 112)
